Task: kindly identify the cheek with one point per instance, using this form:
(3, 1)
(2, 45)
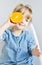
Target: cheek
(20, 27)
(26, 24)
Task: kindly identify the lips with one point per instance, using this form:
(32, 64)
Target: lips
(22, 24)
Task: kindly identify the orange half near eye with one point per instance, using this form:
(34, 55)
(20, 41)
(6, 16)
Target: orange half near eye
(16, 17)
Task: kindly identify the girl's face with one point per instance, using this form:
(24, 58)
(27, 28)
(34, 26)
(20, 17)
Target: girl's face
(25, 20)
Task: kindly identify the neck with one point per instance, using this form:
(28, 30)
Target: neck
(17, 32)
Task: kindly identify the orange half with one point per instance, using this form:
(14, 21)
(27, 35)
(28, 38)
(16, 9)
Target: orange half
(16, 17)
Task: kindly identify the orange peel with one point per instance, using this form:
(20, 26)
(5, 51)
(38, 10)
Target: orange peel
(16, 17)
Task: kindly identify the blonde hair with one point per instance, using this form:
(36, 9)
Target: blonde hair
(20, 7)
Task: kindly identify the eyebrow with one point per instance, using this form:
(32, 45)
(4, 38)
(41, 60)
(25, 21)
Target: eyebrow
(27, 17)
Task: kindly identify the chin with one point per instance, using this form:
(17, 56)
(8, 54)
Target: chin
(21, 28)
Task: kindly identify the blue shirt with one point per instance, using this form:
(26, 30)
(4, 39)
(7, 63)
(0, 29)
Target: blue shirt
(18, 48)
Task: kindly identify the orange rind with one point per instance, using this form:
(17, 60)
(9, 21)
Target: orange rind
(16, 17)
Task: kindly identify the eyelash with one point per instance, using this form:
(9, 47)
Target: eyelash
(26, 20)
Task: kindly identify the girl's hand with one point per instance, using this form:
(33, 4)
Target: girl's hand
(5, 26)
(10, 24)
(36, 52)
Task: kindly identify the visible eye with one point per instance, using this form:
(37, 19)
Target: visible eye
(26, 20)
(28, 17)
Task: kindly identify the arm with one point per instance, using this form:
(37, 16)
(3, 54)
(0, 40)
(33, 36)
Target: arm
(5, 26)
(36, 52)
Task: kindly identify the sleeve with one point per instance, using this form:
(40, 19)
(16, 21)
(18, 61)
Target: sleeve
(31, 42)
(4, 36)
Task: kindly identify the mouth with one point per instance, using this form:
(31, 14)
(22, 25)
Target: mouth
(21, 24)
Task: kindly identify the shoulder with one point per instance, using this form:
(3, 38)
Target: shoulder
(29, 35)
(7, 34)
(26, 35)
(7, 31)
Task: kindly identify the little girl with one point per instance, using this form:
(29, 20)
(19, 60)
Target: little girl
(20, 44)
